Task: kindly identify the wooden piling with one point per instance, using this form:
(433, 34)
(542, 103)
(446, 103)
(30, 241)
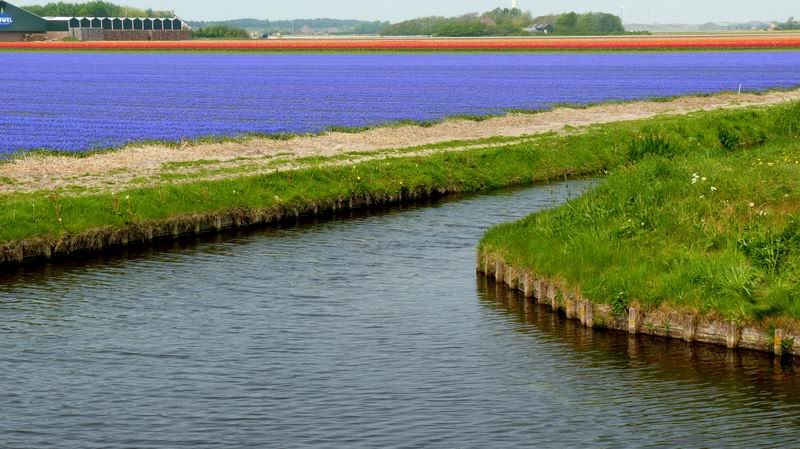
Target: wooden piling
(499, 271)
(588, 313)
(733, 334)
(527, 285)
(571, 306)
(777, 342)
(634, 320)
(689, 328)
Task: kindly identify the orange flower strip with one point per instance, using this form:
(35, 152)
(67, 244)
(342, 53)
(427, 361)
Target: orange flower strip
(445, 44)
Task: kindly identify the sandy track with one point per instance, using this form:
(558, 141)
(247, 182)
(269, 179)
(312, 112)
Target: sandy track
(144, 164)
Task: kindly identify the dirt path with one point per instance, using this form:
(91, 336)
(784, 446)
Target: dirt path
(152, 164)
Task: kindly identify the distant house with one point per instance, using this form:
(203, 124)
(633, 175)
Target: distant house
(540, 28)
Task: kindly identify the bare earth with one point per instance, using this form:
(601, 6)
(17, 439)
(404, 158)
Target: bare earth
(154, 164)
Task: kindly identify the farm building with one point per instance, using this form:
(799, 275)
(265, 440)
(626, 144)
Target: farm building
(16, 24)
(118, 28)
(19, 25)
(540, 28)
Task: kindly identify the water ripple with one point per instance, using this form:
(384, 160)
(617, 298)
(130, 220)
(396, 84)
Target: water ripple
(366, 332)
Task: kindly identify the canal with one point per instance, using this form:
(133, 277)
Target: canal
(370, 330)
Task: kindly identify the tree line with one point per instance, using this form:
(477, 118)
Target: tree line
(92, 9)
(287, 26)
(498, 22)
(507, 22)
(790, 24)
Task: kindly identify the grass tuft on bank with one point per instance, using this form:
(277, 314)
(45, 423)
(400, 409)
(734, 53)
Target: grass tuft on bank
(701, 219)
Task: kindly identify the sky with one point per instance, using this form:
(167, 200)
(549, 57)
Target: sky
(635, 11)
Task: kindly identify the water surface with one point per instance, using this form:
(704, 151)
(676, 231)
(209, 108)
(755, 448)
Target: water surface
(370, 331)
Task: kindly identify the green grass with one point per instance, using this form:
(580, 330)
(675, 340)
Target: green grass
(188, 164)
(702, 219)
(51, 215)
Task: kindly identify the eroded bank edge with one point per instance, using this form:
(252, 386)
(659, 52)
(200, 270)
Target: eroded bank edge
(676, 325)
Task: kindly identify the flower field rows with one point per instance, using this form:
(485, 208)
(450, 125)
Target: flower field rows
(477, 44)
(97, 100)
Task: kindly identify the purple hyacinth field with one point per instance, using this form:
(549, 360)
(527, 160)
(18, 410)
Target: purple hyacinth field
(83, 101)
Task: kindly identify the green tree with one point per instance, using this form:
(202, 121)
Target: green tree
(609, 24)
(221, 32)
(593, 23)
(567, 22)
(790, 24)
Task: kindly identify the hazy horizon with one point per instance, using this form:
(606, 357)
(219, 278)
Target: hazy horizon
(638, 11)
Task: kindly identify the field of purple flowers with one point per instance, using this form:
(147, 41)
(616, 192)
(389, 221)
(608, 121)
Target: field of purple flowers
(83, 101)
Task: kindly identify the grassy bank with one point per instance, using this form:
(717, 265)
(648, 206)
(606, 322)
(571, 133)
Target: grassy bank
(702, 219)
(44, 223)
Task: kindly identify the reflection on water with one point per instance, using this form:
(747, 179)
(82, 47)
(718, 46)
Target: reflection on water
(367, 331)
(672, 359)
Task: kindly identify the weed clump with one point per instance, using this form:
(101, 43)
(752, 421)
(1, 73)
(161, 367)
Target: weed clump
(733, 139)
(788, 120)
(769, 250)
(729, 139)
(652, 144)
(620, 303)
